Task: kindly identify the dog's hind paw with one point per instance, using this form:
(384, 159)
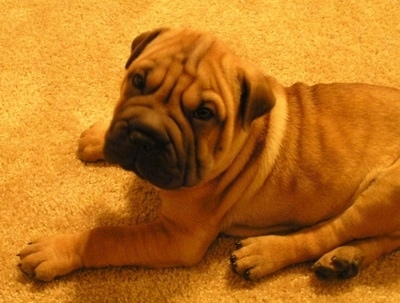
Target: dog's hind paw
(343, 262)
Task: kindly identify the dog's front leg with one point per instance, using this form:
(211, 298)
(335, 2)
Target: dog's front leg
(158, 244)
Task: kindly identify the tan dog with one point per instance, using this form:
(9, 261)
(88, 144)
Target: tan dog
(304, 172)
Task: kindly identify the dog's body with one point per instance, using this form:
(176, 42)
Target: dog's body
(306, 172)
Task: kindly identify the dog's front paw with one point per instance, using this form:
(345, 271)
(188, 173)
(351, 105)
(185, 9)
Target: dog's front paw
(257, 257)
(46, 258)
(342, 262)
(91, 143)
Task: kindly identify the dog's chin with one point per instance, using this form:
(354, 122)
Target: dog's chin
(162, 181)
(168, 180)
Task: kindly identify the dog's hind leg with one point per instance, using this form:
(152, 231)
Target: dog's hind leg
(345, 261)
(373, 220)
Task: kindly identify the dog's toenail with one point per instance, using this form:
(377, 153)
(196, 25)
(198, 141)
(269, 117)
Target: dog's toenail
(238, 245)
(246, 275)
(315, 266)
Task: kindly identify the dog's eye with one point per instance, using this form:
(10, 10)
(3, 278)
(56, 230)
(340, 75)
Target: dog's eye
(204, 114)
(138, 81)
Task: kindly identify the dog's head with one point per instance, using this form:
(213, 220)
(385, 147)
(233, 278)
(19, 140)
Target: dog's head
(186, 104)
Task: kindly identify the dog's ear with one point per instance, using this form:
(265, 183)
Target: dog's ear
(140, 42)
(257, 98)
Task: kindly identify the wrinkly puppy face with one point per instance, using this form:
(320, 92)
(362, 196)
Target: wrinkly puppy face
(186, 103)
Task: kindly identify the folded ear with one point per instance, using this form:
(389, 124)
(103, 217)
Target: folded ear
(140, 42)
(257, 98)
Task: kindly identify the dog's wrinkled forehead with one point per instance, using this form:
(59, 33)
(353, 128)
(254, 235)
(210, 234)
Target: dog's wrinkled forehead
(166, 45)
(196, 67)
(178, 62)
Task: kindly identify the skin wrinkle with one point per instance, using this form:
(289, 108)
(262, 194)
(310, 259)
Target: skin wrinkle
(190, 147)
(225, 95)
(176, 122)
(192, 68)
(219, 93)
(159, 49)
(177, 156)
(198, 55)
(169, 44)
(169, 82)
(176, 93)
(153, 88)
(259, 144)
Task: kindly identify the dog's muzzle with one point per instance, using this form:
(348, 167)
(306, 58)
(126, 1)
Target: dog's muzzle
(146, 150)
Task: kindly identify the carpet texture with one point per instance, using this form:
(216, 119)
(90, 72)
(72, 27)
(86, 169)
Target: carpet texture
(61, 63)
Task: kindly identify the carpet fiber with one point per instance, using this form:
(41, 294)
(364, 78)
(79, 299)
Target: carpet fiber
(61, 63)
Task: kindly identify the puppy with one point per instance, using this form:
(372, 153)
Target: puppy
(301, 173)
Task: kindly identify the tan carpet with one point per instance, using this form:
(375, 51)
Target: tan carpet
(60, 67)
